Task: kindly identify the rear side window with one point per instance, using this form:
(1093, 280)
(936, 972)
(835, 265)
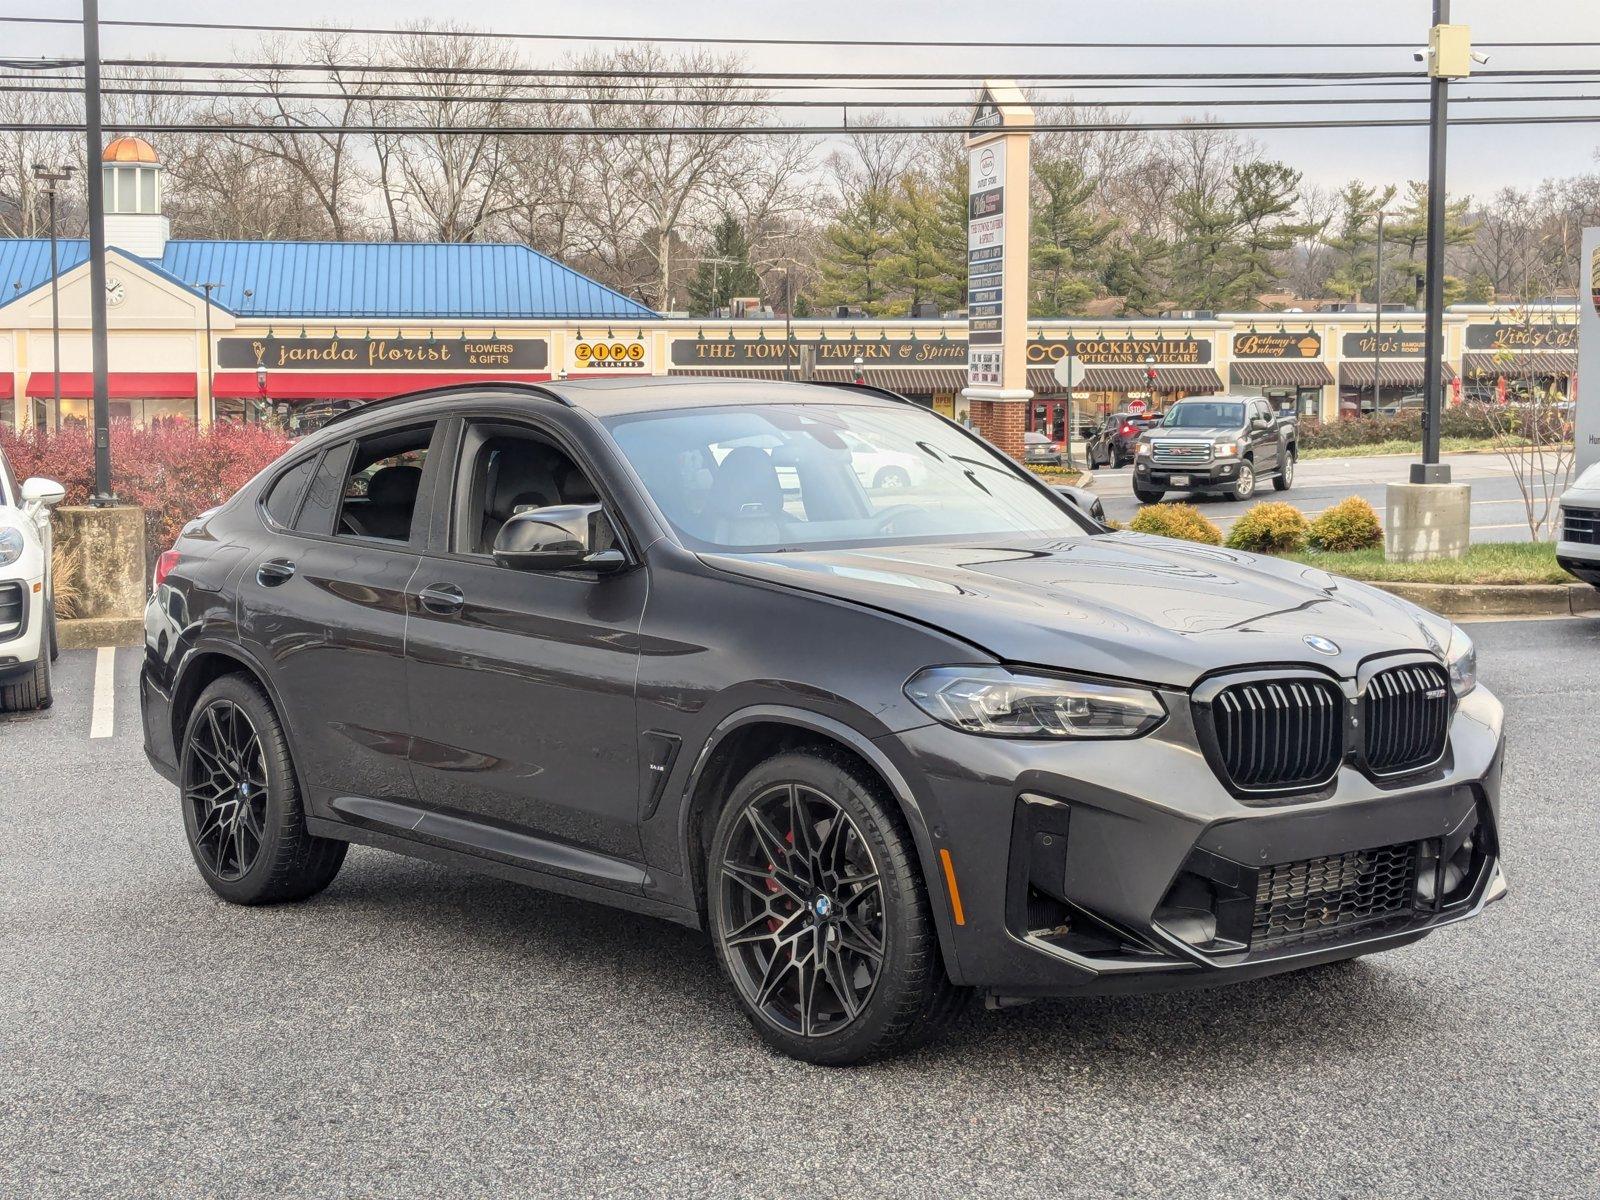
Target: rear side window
(379, 494)
(283, 501)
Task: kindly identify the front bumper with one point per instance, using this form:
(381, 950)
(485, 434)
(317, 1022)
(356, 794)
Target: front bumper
(1217, 473)
(1113, 829)
(20, 641)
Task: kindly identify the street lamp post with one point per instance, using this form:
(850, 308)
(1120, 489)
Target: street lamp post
(1377, 329)
(211, 371)
(52, 180)
(94, 136)
(1430, 469)
(788, 326)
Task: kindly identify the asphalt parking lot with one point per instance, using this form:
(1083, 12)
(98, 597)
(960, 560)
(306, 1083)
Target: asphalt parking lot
(416, 1031)
(1499, 512)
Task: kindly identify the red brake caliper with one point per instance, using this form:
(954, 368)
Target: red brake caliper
(773, 924)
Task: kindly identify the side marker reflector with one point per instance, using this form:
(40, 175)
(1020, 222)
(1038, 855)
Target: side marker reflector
(950, 882)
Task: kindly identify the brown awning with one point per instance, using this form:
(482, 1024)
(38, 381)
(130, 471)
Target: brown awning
(1168, 379)
(916, 381)
(1521, 364)
(1404, 372)
(1298, 373)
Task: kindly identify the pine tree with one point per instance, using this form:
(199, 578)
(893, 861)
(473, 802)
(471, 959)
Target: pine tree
(855, 250)
(1409, 232)
(1133, 270)
(1355, 240)
(927, 259)
(715, 283)
(1264, 196)
(1066, 239)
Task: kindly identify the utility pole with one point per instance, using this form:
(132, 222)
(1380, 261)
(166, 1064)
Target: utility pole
(1377, 328)
(102, 497)
(211, 373)
(52, 180)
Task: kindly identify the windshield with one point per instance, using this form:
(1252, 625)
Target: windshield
(808, 476)
(1206, 413)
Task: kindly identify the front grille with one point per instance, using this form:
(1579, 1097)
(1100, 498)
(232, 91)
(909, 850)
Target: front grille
(1279, 734)
(1407, 715)
(11, 598)
(1581, 525)
(1316, 897)
(1180, 454)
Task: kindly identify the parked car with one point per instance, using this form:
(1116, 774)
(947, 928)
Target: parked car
(890, 750)
(1578, 548)
(27, 594)
(876, 466)
(1219, 444)
(1039, 451)
(1113, 444)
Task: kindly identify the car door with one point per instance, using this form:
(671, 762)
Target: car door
(1263, 436)
(323, 605)
(522, 682)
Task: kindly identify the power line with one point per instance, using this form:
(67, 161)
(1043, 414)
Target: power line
(418, 130)
(683, 39)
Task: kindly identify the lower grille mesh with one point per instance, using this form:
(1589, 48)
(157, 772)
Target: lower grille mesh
(1302, 901)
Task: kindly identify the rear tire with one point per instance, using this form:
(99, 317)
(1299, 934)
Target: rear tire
(1284, 479)
(35, 691)
(891, 477)
(242, 808)
(820, 916)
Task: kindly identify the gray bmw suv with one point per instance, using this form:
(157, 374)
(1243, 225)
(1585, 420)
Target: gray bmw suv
(658, 644)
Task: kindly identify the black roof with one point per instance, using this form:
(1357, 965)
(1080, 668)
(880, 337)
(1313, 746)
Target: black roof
(613, 397)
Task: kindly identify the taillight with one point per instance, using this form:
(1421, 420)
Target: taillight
(164, 565)
(1127, 431)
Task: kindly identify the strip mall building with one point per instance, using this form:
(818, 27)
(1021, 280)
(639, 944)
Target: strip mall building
(206, 331)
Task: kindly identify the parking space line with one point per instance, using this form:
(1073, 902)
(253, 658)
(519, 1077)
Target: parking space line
(102, 721)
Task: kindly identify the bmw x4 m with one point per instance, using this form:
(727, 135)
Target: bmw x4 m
(663, 644)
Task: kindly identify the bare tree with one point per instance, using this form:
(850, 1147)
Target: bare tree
(1533, 430)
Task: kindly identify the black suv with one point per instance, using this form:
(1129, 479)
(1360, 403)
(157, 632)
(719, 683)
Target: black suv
(1113, 445)
(653, 643)
(1225, 444)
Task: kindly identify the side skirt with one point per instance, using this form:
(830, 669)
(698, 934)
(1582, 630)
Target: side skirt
(533, 862)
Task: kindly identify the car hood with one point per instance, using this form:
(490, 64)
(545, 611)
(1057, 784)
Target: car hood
(1123, 604)
(1199, 433)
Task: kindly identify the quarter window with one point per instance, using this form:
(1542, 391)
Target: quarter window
(284, 499)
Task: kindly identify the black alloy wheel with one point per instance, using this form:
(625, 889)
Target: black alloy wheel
(242, 808)
(225, 787)
(820, 914)
(802, 911)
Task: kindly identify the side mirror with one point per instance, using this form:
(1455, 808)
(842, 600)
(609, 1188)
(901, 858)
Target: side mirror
(561, 537)
(46, 492)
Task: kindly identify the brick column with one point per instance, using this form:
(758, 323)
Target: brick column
(1003, 422)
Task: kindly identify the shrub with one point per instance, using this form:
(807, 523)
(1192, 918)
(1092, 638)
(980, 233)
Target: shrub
(1270, 528)
(1182, 521)
(1351, 524)
(174, 472)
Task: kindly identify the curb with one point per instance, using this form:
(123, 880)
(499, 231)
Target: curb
(85, 633)
(1468, 600)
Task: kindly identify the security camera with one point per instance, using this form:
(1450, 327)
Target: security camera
(1479, 57)
(1420, 55)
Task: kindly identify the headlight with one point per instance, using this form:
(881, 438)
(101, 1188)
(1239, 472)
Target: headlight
(1227, 449)
(993, 701)
(1142, 449)
(11, 545)
(1461, 657)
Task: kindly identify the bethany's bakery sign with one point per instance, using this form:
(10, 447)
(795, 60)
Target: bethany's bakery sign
(1277, 345)
(830, 352)
(1522, 337)
(383, 354)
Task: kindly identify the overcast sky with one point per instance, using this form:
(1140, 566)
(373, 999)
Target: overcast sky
(1481, 159)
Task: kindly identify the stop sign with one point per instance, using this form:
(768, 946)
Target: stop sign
(1136, 407)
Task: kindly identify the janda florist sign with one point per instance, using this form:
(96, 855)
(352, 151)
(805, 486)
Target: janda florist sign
(383, 354)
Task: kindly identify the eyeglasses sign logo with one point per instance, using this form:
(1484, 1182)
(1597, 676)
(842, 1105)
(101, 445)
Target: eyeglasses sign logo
(1321, 644)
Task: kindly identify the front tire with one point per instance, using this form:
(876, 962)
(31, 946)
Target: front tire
(242, 808)
(1244, 486)
(35, 691)
(819, 914)
(892, 477)
(1147, 495)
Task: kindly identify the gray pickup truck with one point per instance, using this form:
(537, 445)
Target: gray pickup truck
(1219, 444)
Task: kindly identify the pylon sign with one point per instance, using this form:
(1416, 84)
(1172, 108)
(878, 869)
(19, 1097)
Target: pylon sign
(997, 245)
(1587, 383)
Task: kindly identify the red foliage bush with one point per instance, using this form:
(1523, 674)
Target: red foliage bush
(174, 472)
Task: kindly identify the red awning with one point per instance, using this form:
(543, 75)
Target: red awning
(348, 385)
(121, 385)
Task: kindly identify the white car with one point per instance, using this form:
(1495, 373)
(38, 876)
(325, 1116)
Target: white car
(27, 619)
(875, 466)
(1578, 549)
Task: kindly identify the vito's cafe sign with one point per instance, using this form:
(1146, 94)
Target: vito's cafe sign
(382, 354)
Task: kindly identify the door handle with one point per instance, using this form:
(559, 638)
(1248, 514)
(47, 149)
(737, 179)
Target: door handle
(445, 599)
(274, 571)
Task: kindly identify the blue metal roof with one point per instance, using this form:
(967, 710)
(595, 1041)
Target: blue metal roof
(313, 280)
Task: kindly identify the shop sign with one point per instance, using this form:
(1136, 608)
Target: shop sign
(611, 356)
(1395, 343)
(830, 352)
(1277, 345)
(1522, 337)
(986, 248)
(383, 354)
(1125, 351)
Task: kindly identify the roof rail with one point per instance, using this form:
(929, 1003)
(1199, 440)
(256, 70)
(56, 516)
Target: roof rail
(864, 387)
(423, 393)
